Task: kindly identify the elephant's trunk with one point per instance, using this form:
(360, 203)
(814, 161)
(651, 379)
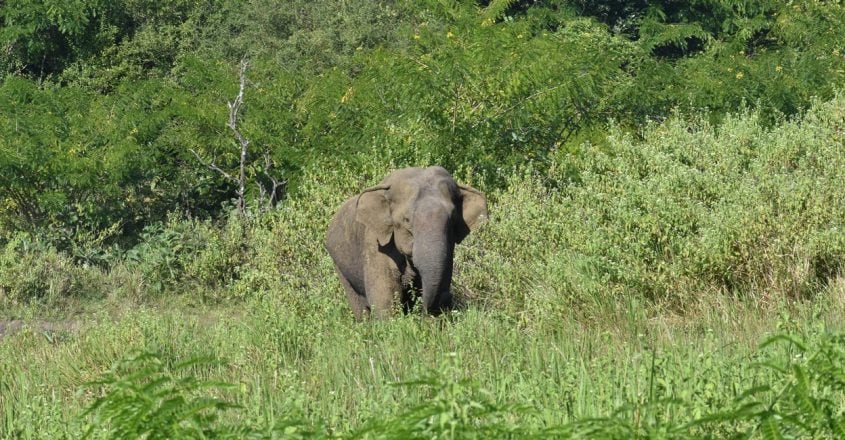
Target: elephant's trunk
(432, 255)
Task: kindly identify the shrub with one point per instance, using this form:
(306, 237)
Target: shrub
(34, 272)
(689, 211)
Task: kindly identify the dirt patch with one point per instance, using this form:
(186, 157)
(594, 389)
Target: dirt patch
(9, 327)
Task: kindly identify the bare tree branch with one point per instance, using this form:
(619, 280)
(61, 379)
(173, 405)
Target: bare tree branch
(213, 166)
(274, 183)
(234, 107)
(267, 193)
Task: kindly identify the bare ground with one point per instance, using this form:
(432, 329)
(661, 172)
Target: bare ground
(8, 327)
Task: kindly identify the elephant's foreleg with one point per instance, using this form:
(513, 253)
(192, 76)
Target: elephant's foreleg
(444, 302)
(357, 301)
(383, 285)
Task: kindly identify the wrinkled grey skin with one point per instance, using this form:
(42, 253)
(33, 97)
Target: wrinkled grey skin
(396, 240)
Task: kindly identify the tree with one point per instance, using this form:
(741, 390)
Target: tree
(268, 187)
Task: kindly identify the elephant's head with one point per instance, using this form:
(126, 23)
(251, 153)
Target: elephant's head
(422, 213)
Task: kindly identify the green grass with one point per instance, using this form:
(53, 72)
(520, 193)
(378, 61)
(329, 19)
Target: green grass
(327, 373)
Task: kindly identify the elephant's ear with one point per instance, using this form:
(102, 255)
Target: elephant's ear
(473, 211)
(373, 210)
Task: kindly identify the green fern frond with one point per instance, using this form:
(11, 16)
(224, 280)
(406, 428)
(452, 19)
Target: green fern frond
(145, 398)
(495, 10)
(801, 393)
(770, 428)
(654, 34)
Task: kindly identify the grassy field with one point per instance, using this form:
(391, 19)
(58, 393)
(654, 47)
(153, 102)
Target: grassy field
(650, 374)
(624, 293)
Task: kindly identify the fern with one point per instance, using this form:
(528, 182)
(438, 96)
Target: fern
(655, 33)
(144, 398)
(770, 429)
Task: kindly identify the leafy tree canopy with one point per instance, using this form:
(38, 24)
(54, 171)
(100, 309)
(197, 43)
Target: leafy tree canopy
(107, 100)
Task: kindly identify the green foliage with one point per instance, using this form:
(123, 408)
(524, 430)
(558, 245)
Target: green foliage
(688, 212)
(144, 398)
(467, 92)
(805, 398)
(625, 274)
(40, 37)
(34, 272)
(302, 36)
(719, 56)
(457, 409)
(99, 42)
(639, 388)
(76, 163)
(156, 257)
(100, 139)
(676, 29)
(643, 160)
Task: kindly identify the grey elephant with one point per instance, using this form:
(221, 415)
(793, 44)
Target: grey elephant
(397, 239)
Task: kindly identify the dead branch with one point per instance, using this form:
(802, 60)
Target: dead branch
(213, 166)
(234, 107)
(274, 183)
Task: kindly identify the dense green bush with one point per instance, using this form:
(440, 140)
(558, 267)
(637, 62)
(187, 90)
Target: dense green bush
(101, 139)
(75, 163)
(690, 211)
(32, 271)
(112, 40)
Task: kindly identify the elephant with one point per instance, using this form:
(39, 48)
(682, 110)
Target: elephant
(396, 241)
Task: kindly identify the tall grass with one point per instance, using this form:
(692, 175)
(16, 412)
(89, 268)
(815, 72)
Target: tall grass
(621, 294)
(422, 378)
